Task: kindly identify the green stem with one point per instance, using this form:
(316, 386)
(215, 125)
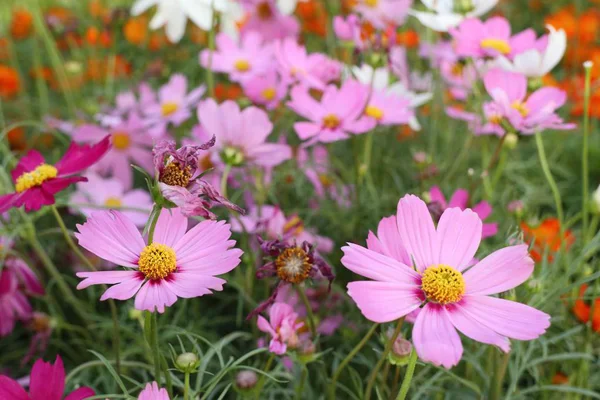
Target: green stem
(224, 180)
(186, 386)
(153, 222)
(499, 376)
(585, 150)
(309, 314)
(410, 371)
(210, 79)
(383, 358)
(346, 361)
(303, 377)
(151, 334)
(261, 381)
(551, 181)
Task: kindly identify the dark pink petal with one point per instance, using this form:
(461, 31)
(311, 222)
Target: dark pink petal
(458, 237)
(28, 163)
(33, 199)
(459, 199)
(437, 196)
(483, 209)
(489, 230)
(81, 157)
(47, 380)
(53, 186)
(11, 390)
(9, 201)
(25, 275)
(80, 394)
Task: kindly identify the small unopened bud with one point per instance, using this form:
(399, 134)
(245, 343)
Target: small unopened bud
(400, 353)
(187, 362)
(135, 314)
(470, 172)
(596, 201)
(511, 141)
(246, 379)
(420, 157)
(534, 84)
(232, 156)
(516, 207)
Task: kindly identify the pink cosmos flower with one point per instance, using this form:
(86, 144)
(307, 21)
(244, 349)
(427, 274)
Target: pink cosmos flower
(282, 327)
(176, 264)
(251, 57)
(339, 113)
(388, 109)
(460, 199)
(383, 13)
(295, 65)
(266, 90)
(111, 194)
(241, 135)
(14, 305)
(130, 145)
(492, 38)
(153, 392)
(36, 182)
(265, 18)
(527, 114)
(125, 103)
(173, 105)
(47, 381)
(450, 296)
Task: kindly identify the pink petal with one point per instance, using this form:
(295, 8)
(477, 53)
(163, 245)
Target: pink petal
(154, 295)
(47, 380)
(459, 199)
(435, 338)
(264, 326)
(188, 285)
(306, 130)
(463, 321)
(389, 240)
(171, 227)
(437, 196)
(459, 235)
(277, 347)
(279, 312)
(489, 230)
(417, 232)
(125, 289)
(153, 392)
(502, 270)
(11, 390)
(9, 201)
(483, 209)
(113, 237)
(507, 318)
(376, 266)
(27, 163)
(80, 394)
(384, 301)
(80, 157)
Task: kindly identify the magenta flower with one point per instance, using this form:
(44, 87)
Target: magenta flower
(241, 135)
(460, 199)
(47, 382)
(36, 182)
(173, 105)
(450, 296)
(153, 392)
(382, 13)
(282, 327)
(295, 65)
(339, 113)
(251, 57)
(492, 38)
(130, 145)
(527, 114)
(265, 18)
(265, 90)
(111, 194)
(14, 305)
(176, 264)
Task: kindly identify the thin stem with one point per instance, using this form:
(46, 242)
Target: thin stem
(493, 160)
(499, 376)
(551, 181)
(261, 381)
(224, 180)
(303, 377)
(309, 314)
(186, 386)
(151, 335)
(210, 79)
(346, 361)
(383, 358)
(153, 222)
(585, 149)
(410, 371)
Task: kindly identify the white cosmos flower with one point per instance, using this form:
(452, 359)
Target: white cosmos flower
(534, 63)
(174, 14)
(443, 16)
(380, 80)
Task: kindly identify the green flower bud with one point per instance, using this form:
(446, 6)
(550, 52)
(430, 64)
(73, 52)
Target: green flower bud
(187, 362)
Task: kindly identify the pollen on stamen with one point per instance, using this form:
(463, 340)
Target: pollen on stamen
(157, 261)
(174, 175)
(293, 265)
(36, 177)
(443, 284)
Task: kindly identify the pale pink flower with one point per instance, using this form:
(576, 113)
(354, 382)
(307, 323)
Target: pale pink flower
(251, 57)
(282, 327)
(125, 103)
(265, 17)
(110, 193)
(388, 109)
(338, 115)
(296, 65)
(382, 13)
(266, 90)
(176, 264)
(451, 295)
(173, 105)
(153, 392)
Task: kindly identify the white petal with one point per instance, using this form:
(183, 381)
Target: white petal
(199, 13)
(557, 45)
(287, 7)
(482, 6)
(176, 24)
(529, 63)
(437, 22)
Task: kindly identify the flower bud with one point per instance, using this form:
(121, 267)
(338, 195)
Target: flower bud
(187, 362)
(232, 156)
(400, 353)
(511, 140)
(246, 379)
(596, 201)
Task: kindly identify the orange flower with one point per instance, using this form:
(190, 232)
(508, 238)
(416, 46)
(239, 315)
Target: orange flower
(564, 19)
(227, 92)
(136, 30)
(98, 69)
(408, 39)
(4, 49)
(198, 36)
(582, 310)
(313, 17)
(157, 41)
(560, 379)
(546, 236)
(21, 24)
(97, 9)
(16, 139)
(44, 73)
(94, 37)
(9, 82)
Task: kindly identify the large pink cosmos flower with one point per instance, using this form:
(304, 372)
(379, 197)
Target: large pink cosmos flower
(492, 38)
(241, 135)
(389, 109)
(251, 57)
(451, 296)
(460, 199)
(130, 144)
(110, 193)
(282, 327)
(339, 113)
(36, 182)
(153, 392)
(264, 17)
(47, 382)
(176, 264)
(527, 114)
(173, 105)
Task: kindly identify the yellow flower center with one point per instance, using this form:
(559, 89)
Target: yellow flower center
(113, 202)
(268, 94)
(168, 109)
(293, 265)
(121, 140)
(520, 107)
(331, 121)
(374, 112)
(36, 177)
(495, 119)
(443, 284)
(325, 180)
(174, 175)
(457, 69)
(501, 46)
(157, 261)
(242, 65)
(371, 3)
